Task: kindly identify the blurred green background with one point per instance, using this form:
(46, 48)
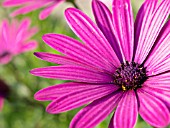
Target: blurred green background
(20, 109)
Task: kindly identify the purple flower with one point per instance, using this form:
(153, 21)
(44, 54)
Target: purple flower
(30, 5)
(120, 67)
(14, 39)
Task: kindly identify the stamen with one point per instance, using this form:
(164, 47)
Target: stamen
(130, 76)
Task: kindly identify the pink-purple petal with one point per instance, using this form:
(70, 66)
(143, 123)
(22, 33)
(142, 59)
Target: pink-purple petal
(24, 26)
(124, 25)
(103, 18)
(46, 12)
(53, 92)
(151, 25)
(28, 46)
(26, 9)
(14, 2)
(1, 103)
(75, 73)
(79, 97)
(4, 34)
(161, 81)
(57, 59)
(95, 112)
(160, 93)
(126, 112)
(162, 67)
(77, 51)
(161, 49)
(153, 110)
(86, 30)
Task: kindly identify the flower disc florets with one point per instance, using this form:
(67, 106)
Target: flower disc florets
(130, 76)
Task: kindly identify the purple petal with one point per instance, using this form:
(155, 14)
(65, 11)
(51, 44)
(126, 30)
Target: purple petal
(58, 59)
(161, 81)
(160, 93)
(32, 31)
(124, 26)
(149, 25)
(95, 112)
(28, 46)
(86, 30)
(76, 73)
(14, 2)
(23, 28)
(76, 50)
(4, 34)
(144, 12)
(46, 12)
(127, 111)
(28, 8)
(153, 110)
(103, 19)
(80, 97)
(161, 49)
(53, 92)
(5, 59)
(1, 103)
(163, 66)
(63, 60)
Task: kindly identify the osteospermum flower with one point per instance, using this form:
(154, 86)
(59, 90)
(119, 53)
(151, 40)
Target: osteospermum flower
(120, 67)
(4, 92)
(14, 39)
(30, 5)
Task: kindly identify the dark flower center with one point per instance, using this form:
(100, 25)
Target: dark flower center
(4, 89)
(130, 76)
(4, 54)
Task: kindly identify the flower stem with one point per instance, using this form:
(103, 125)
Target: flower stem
(75, 5)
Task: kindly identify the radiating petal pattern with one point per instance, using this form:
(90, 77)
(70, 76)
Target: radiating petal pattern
(26, 9)
(95, 112)
(119, 65)
(76, 73)
(162, 67)
(124, 26)
(46, 12)
(104, 21)
(53, 92)
(153, 15)
(126, 113)
(160, 93)
(79, 97)
(76, 50)
(28, 46)
(91, 35)
(160, 50)
(27, 6)
(58, 59)
(161, 81)
(153, 110)
(15, 39)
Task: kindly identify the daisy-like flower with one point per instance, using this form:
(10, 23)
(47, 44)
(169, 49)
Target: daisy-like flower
(121, 67)
(4, 92)
(30, 5)
(14, 39)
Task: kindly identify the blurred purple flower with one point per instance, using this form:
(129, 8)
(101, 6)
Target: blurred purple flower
(120, 65)
(4, 92)
(14, 39)
(30, 5)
